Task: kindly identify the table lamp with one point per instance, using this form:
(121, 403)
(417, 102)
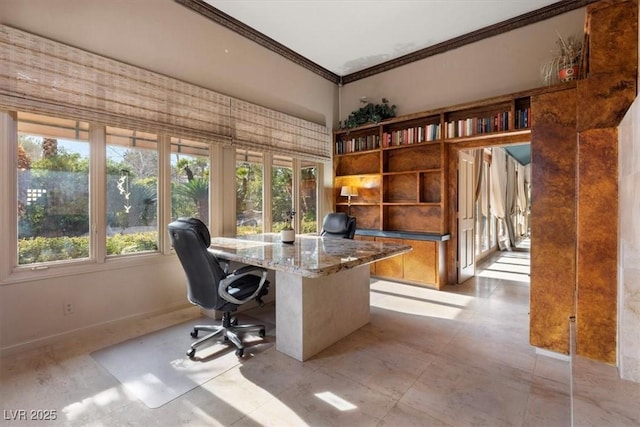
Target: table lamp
(349, 191)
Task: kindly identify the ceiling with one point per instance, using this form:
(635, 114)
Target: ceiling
(522, 153)
(344, 40)
(348, 36)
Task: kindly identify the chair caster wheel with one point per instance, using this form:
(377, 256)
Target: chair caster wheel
(194, 333)
(240, 352)
(261, 333)
(191, 352)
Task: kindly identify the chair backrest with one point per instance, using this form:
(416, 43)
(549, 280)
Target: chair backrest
(338, 224)
(190, 239)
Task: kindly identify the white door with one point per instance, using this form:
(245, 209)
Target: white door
(466, 236)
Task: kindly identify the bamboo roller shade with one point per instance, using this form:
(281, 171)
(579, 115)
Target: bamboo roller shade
(42, 76)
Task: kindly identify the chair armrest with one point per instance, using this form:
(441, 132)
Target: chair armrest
(237, 274)
(246, 269)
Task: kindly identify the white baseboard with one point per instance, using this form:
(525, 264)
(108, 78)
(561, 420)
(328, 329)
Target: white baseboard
(52, 339)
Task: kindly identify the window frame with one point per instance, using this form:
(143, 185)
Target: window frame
(47, 130)
(158, 208)
(267, 208)
(11, 272)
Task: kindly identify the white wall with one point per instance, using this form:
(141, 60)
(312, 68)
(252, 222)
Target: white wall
(31, 312)
(165, 37)
(629, 245)
(499, 65)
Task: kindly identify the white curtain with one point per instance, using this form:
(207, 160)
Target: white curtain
(478, 169)
(499, 193)
(527, 184)
(521, 202)
(484, 206)
(498, 182)
(511, 200)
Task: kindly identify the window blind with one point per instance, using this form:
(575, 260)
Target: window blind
(260, 128)
(42, 76)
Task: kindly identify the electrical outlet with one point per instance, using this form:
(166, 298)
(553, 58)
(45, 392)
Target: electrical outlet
(67, 308)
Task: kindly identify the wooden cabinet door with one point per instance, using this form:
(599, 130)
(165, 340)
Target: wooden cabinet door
(421, 264)
(390, 267)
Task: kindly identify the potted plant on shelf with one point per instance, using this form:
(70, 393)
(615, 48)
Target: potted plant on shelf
(369, 113)
(288, 234)
(565, 65)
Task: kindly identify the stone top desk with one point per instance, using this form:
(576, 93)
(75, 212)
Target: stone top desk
(322, 285)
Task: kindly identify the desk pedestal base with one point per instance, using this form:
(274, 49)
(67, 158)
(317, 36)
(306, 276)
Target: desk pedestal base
(312, 314)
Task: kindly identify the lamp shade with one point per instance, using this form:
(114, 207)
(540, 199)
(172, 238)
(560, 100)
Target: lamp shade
(348, 190)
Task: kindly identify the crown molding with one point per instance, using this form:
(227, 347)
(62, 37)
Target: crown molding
(221, 18)
(493, 30)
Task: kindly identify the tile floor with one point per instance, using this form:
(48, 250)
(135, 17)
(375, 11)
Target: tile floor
(458, 357)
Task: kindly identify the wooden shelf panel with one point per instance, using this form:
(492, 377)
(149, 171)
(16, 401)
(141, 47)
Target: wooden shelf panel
(356, 204)
(413, 171)
(515, 134)
(362, 163)
(366, 216)
(420, 218)
(411, 203)
(412, 158)
(430, 187)
(400, 188)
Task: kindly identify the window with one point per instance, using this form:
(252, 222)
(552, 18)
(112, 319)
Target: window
(249, 168)
(132, 191)
(281, 190)
(308, 197)
(52, 189)
(71, 176)
(284, 172)
(189, 180)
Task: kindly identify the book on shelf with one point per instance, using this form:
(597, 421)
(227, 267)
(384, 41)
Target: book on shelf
(522, 118)
(414, 135)
(478, 125)
(361, 143)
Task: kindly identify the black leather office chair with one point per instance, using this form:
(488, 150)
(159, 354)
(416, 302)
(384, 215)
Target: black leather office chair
(339, 224)
(210, 286)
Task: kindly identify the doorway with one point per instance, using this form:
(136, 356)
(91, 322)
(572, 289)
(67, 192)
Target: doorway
(492, 204)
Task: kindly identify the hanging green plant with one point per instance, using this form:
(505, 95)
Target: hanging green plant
(369, 113)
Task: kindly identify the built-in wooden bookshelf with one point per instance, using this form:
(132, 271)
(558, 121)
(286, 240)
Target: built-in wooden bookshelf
(399, 165)
(493, 116)
(400, 168)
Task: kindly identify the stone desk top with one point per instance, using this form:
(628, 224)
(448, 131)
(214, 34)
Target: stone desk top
(310, 255)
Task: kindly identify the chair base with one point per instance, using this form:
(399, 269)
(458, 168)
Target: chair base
(229, 329)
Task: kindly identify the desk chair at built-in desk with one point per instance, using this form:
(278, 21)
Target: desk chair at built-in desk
(338, 225)
(210, 286)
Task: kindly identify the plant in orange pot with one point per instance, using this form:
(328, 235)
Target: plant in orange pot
(564, 66)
